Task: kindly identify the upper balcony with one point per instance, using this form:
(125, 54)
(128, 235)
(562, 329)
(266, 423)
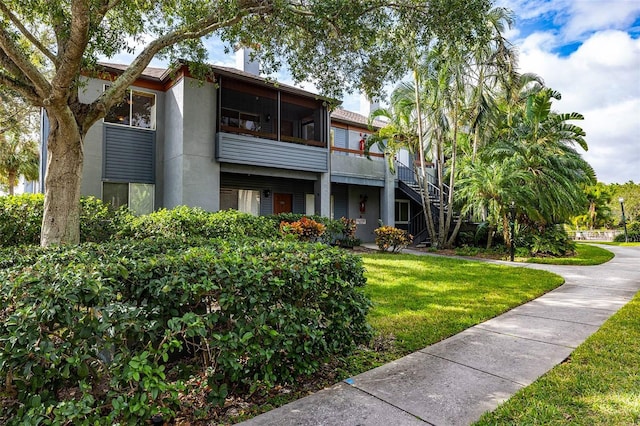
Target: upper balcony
(268, 127)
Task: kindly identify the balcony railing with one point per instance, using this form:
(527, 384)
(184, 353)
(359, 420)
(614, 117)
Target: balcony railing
(270, 136)
(241, 148)
(356, 152)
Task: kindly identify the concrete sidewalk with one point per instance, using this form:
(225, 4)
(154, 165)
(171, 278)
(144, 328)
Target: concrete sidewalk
(456, 380)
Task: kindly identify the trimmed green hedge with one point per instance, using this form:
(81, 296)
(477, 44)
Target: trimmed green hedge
(92, 334)
(21, 219)
(191, 222)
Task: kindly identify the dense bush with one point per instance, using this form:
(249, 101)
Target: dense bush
(191, 222)
(99, 221)
(334, 229)
(633, 233)
(21, 219)
(551, 241)
(89, 334)
(388, 237)
(304, 229)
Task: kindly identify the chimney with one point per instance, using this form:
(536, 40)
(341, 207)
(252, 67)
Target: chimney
(367, 106)
(245, 63)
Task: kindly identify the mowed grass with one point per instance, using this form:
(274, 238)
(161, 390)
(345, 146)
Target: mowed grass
(586, 254)
(598, 385)
(611, 243)
(421, 300)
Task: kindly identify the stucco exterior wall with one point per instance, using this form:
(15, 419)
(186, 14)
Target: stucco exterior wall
(191, 176)
(92, 172)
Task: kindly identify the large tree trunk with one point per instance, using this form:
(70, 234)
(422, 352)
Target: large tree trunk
(65, 156)
(490, 231)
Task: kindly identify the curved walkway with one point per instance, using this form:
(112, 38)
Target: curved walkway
(454, 381)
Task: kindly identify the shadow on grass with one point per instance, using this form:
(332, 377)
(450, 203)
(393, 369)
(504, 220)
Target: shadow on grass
(422, 300)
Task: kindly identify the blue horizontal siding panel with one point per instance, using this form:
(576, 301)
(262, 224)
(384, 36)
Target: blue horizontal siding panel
(238, 149)
(129, 154)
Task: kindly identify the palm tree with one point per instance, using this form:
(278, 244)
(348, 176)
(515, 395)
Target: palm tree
(491, 62)
(541, 143)
(18, 155)
(487, 189)
(446, 100)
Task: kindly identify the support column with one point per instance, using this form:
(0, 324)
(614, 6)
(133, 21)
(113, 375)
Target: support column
(323, 192)
(387, 197)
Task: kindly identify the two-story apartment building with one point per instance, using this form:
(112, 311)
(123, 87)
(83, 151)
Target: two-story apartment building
(238, 141)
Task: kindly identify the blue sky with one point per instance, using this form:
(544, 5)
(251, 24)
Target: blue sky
(589, 51)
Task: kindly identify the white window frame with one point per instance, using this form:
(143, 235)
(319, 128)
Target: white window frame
(131, 91)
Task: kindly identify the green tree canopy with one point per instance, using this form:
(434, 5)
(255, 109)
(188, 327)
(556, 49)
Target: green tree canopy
(335, 43)
(630, 193)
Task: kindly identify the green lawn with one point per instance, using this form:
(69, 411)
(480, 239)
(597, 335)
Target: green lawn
(586, 254)
(423, 299)
(598, 385)
(610, 243)
(420, 300)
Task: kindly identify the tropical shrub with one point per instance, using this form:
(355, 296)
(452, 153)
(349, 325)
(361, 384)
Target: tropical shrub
(550, 241)
(388, 237)
(333, 228)
(91, 334)
(633, 233)
(349, 238)
(304, 229)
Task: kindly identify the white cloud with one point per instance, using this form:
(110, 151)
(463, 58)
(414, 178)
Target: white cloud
(613, 135)
(601, 80)
(594, 15)
(571, 20)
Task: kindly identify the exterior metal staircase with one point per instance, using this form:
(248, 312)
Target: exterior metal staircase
(409, 184)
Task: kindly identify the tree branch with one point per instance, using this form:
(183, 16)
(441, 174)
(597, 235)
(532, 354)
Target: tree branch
(72, 52)
(41, 47)
(106, 6)
(25, 90)
(15, 59)
(199, 29)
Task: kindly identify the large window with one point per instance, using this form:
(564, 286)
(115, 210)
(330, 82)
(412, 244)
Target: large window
(137, 109)
(252, 110)
(301, 121)
(139, 197)
(248, 110)
(240, 120)
(244, 200)
(340, 139)
(402, 211)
